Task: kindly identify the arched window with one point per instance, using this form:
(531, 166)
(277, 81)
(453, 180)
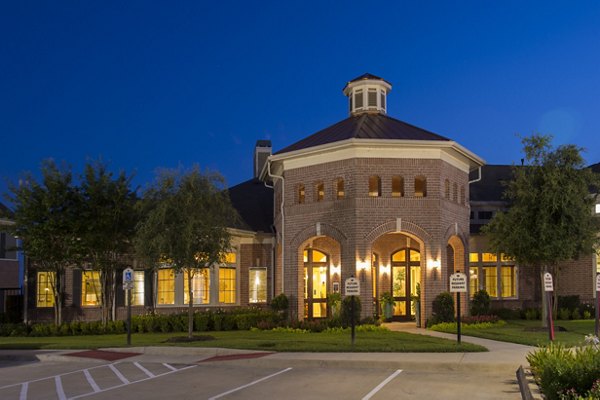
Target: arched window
(420, 186)
(301, 193)
(447, 189)
(397, 186)
(455, 192)
(374, 186)
(320, 191)
(339, 188)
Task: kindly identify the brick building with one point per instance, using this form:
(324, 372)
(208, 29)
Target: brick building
(369, 197)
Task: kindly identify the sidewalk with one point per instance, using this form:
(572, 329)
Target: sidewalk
(500, 357)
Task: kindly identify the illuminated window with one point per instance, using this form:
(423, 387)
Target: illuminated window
(490, 280)
(258, 285)
(420, 186)
(137, 293)
(339, 188)
(473, 281)
(447, 189)
(227, 285)
(90, 288)
(301, 194)
(374, 186)
(474, 257)
(166, 286)
(45, 294)
(320, 191)
(597, 208)
(397, 186)
(455, 192)
(508, 281)
(489, 257)
(504, 257)
(200, 286)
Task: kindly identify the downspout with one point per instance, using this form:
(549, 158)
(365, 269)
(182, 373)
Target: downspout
(479, 178)
(282, 224)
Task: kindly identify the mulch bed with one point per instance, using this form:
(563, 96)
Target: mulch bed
(185, 339)
(103, 355)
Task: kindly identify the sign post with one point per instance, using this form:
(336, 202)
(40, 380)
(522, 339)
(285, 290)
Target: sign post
(352, 289)
(597, 304)
(548, 289)
(458, 285)
(127, 286)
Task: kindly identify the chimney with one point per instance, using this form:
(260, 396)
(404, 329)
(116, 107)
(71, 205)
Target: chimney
(262, 151)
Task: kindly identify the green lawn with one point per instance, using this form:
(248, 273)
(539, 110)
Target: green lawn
(381, 341)
(531, 333)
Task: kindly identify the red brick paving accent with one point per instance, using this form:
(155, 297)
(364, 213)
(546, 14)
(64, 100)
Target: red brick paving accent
(236, 357)
(103, 355)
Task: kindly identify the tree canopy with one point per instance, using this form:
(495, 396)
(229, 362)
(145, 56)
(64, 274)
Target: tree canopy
(184, 225)
(550, 216)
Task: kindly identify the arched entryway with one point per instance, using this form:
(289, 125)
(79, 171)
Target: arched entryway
(316, 283)
(406, 278)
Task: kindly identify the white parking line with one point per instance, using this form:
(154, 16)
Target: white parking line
(118, 373)
(150, 374)
(23, 394)
(172, 368)
(382, 384)
(249, 384)
(60, 392)
(91, 380)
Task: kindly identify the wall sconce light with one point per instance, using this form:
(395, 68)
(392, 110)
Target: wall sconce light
(335, 269)
(361, 267)
(435, 267)
(385, 269)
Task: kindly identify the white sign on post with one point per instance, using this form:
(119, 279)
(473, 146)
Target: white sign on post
(548, 285)
(128, 279)
(458, 283)
(598, 283)
(352, 287)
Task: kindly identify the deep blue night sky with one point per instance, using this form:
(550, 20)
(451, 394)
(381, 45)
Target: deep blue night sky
(148, 84)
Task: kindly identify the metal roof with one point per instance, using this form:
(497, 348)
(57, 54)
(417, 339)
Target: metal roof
(364, 126)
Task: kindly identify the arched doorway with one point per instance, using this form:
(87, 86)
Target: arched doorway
(316, 283)
(406, 275)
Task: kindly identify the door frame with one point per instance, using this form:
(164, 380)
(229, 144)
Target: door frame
(309, 300)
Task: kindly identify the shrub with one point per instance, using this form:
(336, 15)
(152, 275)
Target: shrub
(228, 322)
(443, 308)
(560, 370)
(280, 303)
(507, 313)
(480, 304)
(587, 315)
(532, 314)
(202, 321)
(40, 330)
(571, 303)
(575, 314)
(563, 313)
(479, 319)
(334, 301)
(347, 316)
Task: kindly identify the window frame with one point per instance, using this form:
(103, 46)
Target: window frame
(374, 186)
(90, 276)
(47, 289)
(258, 289)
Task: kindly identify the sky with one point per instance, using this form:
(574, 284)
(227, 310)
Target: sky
(144, 85)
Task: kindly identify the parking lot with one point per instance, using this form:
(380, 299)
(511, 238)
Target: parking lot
(224, 380)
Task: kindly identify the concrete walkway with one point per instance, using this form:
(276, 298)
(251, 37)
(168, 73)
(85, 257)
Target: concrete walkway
(501, 357)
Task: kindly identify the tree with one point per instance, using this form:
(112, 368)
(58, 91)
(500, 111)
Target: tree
(107, 225)
(549, 219)
(45, 216)
(185, 225)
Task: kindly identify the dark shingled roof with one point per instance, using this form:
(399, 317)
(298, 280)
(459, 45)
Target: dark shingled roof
(364, 126)
(490, 187)
(4, 211)
(595, 168)
(254, 203)
(365, 77)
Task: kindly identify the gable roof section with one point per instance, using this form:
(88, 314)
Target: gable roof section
(254, 203)
(5, 212)
(490, 187)
(595, 168)
(364, 126)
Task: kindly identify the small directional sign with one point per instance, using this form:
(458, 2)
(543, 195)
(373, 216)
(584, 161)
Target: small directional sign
(352, 287)
(128, 279)
(458, 283)
(548, 285)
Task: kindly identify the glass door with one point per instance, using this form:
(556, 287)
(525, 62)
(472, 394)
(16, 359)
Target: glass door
(406, 274)
(316, 283)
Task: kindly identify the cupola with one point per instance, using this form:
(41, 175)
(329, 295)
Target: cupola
(367, 94)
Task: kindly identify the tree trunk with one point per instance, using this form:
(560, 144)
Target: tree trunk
(544, 313)
(190, 305)
(58, 298)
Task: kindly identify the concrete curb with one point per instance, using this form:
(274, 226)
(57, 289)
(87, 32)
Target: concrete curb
(527, 385)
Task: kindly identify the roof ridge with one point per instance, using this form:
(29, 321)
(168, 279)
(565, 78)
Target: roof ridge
(359, 125)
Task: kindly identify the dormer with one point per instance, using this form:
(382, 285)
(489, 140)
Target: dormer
(367, 94)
